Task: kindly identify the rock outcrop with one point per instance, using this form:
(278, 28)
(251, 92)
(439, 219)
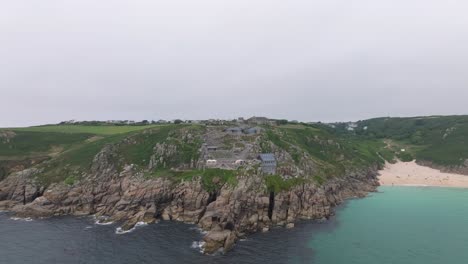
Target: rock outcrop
(227, 214)
(227, 211)
(14, 165)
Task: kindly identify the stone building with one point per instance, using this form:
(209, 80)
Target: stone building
(234, 130)
(259, 121)
(268, 163)
(253, 130)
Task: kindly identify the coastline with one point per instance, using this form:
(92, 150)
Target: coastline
(413, 174)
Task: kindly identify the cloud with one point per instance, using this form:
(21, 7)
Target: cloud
(309, 60)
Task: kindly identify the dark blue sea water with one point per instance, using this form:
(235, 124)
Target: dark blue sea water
(79, 240)
(397, 225)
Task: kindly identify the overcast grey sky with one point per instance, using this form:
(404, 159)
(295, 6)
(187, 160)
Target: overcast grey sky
(309, 60)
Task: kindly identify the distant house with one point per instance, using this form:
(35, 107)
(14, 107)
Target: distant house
(234, 130)
(352, 126)
(259, 121)
(268, 163)
(253, 130)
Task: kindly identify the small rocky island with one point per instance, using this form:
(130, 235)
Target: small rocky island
(231, 178)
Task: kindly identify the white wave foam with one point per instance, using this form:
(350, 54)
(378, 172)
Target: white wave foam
(27, 219)
(98, 222)
(201, 231)
(102, 220)
(198, 245)
(120, 231)
(140, 224)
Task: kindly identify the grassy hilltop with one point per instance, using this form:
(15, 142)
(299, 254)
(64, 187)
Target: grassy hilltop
(442, 140)
(69, 150)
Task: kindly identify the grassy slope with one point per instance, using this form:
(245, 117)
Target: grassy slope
(77, 146)
(72, 148)
(187, 150)
(131, 148)
(335, 154)
(26, 143)
(97, 130)
(442, 140)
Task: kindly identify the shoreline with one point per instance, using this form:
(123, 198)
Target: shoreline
(412, 174)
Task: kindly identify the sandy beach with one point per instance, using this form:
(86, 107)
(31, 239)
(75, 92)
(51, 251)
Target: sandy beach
(412, 174)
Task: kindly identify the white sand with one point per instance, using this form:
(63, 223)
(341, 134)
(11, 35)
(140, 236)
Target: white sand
(412, 174)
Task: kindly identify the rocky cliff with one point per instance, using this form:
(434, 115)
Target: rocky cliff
(227, 214)
(134, 174)
(120, 188)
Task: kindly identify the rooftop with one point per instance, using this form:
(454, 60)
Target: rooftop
(267, 157)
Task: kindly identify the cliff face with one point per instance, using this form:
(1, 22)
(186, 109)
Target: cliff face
(10, 166)
(148, 173)
(162, 174)
(227, 214)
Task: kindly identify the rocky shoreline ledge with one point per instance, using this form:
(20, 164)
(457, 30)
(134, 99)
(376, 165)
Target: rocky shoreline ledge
(230, 177)
(230, 213)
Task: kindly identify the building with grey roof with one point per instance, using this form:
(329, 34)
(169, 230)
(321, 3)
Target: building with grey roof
(253, 130)
(268, 163)
(234, 130)
(259, 121)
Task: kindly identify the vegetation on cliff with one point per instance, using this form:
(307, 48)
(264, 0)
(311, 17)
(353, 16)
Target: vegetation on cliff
(144, 173)
(173, 151)
(335, 156)
(442, 140)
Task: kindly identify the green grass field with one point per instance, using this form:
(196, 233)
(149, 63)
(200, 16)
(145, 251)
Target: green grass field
(70, 149)
(53, 139)
(96, 130)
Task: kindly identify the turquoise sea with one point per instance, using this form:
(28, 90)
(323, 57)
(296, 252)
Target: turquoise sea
(414, 225)
(397, 225)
